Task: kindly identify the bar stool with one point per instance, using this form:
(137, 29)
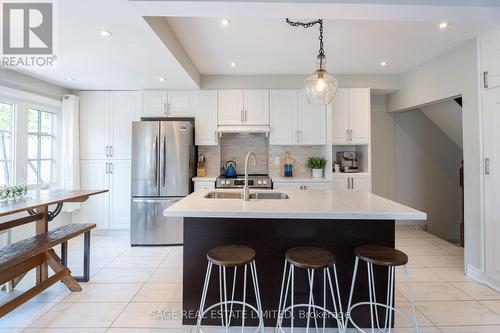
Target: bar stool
(385, 257)
(231, 256)
(311, 259)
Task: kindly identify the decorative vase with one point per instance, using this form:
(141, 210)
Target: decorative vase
(317, 173)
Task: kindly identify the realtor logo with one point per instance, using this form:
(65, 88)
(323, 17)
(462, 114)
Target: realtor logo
(27, 28)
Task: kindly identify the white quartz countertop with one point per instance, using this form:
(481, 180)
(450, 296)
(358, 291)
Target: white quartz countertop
(300, 180)
(310, 204)
(205, 179)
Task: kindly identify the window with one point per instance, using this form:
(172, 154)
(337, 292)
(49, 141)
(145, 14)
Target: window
(41, 147)
(6, 143)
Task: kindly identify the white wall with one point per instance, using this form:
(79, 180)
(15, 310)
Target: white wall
(447, 115)
(381, 146)
(451, 74)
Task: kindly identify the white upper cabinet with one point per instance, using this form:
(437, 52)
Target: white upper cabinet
(230, 107)
(94, 123)
(154, 103)
(351, 116)
(256, 107)
(124, 109)
(206, 118)
(294, 121)
(180, 103)
(340, 116)
(359, 115)
(243, 107)
(106, 123)
(311, 123)
(284, 108)
(160, 103)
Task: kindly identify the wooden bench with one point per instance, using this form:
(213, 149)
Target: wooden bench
(18, 258)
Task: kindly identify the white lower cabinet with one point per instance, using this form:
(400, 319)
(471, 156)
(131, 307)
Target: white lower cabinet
(93, 176)
(301, 185)
(199, 185)
(120, 192)
(110, 210)
(351, 182)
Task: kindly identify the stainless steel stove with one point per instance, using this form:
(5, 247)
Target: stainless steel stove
(254, 181)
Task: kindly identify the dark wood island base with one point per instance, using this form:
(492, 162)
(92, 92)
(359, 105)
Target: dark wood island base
(271, 238)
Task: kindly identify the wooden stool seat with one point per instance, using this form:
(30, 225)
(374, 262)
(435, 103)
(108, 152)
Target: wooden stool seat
(231, 255)
(309, 257)
(381, 255)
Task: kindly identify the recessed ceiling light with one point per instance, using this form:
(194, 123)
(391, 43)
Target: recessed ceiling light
(70, 79)
(224, 22)
(162, 79)
(233, 64)
(383, 63)
(105, 33)
(443, 25)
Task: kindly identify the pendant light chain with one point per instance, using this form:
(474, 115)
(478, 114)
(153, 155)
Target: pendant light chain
(309, 25)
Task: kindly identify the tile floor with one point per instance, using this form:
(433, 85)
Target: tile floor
(131, 288)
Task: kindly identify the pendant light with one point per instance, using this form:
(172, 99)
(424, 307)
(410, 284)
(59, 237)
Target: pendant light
(320, 87)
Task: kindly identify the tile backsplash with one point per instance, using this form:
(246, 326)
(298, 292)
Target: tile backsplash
(236, 146)
(299, 153)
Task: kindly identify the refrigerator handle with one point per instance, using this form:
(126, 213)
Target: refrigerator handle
(164, 157)
(155, 154)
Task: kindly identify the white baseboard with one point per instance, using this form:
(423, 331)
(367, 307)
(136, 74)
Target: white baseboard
(481, 277)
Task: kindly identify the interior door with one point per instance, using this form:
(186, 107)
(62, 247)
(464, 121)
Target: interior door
(176, 142)
(490, 62)
(145, 158)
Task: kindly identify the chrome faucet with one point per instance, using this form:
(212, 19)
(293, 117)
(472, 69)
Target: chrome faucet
(246, 189)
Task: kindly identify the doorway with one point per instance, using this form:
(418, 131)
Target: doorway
(428, 158)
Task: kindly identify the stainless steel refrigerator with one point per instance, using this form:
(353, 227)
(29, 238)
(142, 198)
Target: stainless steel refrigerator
(163, 164)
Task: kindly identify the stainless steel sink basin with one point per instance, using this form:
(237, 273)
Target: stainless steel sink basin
(253, 195)
(224, 195)
(269, 195)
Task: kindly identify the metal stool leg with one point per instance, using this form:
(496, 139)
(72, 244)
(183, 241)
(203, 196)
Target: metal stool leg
(253, 269)
(337, 309)
(353, 282)
(310, 273)
(203, 296)
(410, 296)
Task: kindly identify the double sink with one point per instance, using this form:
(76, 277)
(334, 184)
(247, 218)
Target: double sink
(253, 195)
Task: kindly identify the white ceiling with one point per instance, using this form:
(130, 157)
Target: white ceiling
(357, 38)
(271, 46)
(132, 58)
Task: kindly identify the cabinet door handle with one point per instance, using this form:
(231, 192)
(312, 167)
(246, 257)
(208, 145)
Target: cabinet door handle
(305, 187)
(107, 155)
(164, 108)
(110, 151)
(485, 80)
(106, 168)
(169, 107)
(110, 167)
(246, 115)
(347, 136)
(486, 166)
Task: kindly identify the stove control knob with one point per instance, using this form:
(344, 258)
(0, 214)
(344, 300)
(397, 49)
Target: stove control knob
(259, 182)
(264, 182)
(223, 182)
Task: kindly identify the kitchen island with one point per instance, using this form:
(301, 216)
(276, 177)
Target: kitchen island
(337, 221)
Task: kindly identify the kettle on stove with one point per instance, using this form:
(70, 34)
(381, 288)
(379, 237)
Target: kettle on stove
(230, 169)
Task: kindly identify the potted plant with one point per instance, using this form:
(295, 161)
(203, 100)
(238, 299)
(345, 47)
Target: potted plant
(316, 164)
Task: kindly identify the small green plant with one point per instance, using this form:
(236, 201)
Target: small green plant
(316, 162)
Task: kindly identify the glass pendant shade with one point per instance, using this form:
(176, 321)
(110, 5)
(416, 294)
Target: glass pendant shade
(321, 86)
